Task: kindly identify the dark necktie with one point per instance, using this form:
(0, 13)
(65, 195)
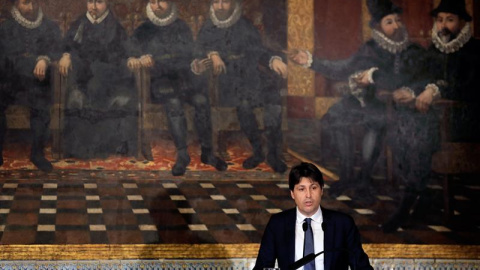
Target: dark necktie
(308, 245)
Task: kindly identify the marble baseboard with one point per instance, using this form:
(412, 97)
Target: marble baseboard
(225, 264)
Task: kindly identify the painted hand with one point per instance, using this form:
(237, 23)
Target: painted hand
(297, 56)
(40, 70)
(200, 66)
(147, 61)
(134, 64)
(402, 96)
(64, 65)
(218, 64)
(424, 100)
(280, 68)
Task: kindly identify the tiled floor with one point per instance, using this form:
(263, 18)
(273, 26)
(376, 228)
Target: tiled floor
(88, 208)
(148, 205)
(105, 207)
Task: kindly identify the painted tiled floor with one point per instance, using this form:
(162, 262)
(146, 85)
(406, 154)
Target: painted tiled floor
(145, 204)
(111, 207)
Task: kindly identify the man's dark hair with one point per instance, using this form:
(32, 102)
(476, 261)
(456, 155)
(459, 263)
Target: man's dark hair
(304, 170)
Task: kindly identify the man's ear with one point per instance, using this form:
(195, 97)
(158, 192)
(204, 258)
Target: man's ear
(292, 195)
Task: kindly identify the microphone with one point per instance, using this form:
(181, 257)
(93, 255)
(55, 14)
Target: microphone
(310, 257)
(305, 226)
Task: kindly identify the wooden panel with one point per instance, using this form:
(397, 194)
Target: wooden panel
(338, 34)
(416, 16)
(337, 28)
(300, 36)
(476, 18)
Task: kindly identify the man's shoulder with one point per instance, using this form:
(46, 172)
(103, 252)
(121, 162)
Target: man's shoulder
(286, 214)
(246, 23)
(369, 47)
(415, 46)
(179, 26)
(473, 45)
(112, 21)
(80, 19)
(336, 216)
(49, 23)
(180, 23)
(145, 27)
(8, 23)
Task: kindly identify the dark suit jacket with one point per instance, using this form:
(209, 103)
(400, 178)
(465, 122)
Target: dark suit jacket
(278, 242)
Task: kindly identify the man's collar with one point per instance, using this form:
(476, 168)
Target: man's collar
(454, 45)
(162, 21)
(99, 20)
(237, 13)
(25, 22)
(317, 217)
(387, 44)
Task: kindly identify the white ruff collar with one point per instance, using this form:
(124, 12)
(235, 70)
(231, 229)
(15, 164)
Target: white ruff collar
(237, 13)
(162, 21)
(387, 44)
(98, 20)
(453, 45)
(25, 22)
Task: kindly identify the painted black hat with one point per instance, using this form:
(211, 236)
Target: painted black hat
(381, 8)
(456, 7)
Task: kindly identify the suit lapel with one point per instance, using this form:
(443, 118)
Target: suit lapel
(290, 221)
(328, 238)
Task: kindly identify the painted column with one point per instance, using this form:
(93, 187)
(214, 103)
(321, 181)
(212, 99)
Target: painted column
(300, 36)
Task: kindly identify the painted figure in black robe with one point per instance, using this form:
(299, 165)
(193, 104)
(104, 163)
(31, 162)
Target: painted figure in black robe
(456, 65)
(235, 48)
(29, 42)
(389, 65)
(101, 98)
(164, 43)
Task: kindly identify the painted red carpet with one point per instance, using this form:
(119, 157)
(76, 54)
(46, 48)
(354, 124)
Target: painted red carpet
(16, 157)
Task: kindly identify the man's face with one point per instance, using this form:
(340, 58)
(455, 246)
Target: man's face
(448, 25)
(28, 8)
(96, 8)
(223, 8)
(307, 195)
(160, 8)
(392, 26)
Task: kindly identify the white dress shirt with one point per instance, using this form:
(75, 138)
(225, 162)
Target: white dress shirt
(316, 223)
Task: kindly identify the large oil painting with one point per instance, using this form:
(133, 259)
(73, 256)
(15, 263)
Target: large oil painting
(152, 129)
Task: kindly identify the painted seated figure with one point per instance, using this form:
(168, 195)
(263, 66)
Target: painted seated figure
(164, 44)
(29, 42)
(101, 98)
(233, 46)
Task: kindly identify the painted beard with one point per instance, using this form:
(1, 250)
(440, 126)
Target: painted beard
(31, 16)
(162, 13)
(95, 15)
(446, 35)
(398, 35)
(223, 14)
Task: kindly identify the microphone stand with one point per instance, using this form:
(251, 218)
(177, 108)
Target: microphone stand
(310, 257)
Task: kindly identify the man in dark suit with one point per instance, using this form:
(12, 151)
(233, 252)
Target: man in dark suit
(286, 237)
